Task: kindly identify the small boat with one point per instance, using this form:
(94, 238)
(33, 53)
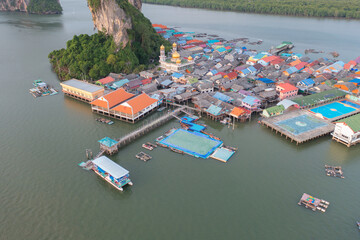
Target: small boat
(104, 120)
(147, 146)
(358, 224)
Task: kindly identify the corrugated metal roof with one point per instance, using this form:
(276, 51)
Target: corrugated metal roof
(353, 122)
(82, 85)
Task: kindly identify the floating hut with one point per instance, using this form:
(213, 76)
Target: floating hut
(113, 173)
(313, 203)
(109, 145)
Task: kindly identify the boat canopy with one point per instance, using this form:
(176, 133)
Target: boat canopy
(110, 167)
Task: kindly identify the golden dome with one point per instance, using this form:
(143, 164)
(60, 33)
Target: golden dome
(176, 55)
(174, 44)
(178, 61)
(190, 58)
(162, 47)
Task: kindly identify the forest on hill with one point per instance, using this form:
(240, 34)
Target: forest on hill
(308, 8)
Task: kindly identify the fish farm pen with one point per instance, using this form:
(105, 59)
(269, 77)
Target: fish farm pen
(299, 126)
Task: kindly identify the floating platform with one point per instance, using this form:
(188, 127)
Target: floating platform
(104, 120)
(300, 126)
(143, 156)
(147, 146)
(42, 89)
(192, 143)
(313, 203)
(222, 154)
(334, 171)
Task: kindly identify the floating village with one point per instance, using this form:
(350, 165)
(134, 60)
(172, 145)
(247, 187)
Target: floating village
(227, 81)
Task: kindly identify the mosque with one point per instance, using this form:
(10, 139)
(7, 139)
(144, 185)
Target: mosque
(174, 64)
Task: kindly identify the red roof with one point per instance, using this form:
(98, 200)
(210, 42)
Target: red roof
(270, 58)
(112, 99)
(159, 25)
(194, 41)
(146, 81)
(106, 80)
(276, 61)
(231, 75)
(301, 65)
(221, 73)
(178, 35)
(287, 87)
(136, 104)
(350, 65)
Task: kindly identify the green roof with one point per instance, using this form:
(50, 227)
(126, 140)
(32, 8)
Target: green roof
(318, 97)
(275, 109)
(193, 80)
(353, 122)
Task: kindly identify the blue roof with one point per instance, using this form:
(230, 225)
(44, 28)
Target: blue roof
(222, 49)
(177, 75)
(110, 167)
(211, 41)
(245, 71)
(308, 82)
(214, 71)
(108, 142)
(355, 80)
(181, 42)
(167, 82)
(222, 97)
(251, 69)
(120, 83)
(250, 100)
(214, 110)
(291, 70)
(266, 80)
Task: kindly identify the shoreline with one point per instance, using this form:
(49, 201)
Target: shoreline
(263, 14)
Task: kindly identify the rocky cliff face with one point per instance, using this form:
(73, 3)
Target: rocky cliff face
(110, 18)
(14, 5)
(32, 6)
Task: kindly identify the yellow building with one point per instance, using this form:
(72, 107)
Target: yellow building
(82, 90)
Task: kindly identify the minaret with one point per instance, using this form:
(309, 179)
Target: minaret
(174, 47)
(162, 54)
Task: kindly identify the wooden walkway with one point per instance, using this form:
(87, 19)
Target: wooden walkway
(145, 129)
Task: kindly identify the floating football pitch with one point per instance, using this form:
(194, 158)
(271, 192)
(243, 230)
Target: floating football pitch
(335, 109)
(192, 143)
(300, 124)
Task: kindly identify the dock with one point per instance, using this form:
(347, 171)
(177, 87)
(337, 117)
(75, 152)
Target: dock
(299, 126)
(313, 203)
(120, 142)
(143, 156)
(334, 171)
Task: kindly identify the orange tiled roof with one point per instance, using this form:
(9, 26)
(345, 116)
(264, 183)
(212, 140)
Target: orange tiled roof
(113, 98)
(136, 104)
(296, 62)
(237, 111)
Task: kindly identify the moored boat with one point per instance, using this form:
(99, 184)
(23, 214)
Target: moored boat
(113, 173)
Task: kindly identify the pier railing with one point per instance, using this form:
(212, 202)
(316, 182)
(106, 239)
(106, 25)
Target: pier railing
(146, 128)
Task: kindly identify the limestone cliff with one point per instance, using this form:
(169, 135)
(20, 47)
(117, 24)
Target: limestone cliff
(32, 6)
(14, 5)
(110, 17)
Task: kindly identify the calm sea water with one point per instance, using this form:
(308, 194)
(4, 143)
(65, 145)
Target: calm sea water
(45, 195)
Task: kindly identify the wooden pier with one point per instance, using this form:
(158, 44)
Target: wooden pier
(143, 130)
(302, 137)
